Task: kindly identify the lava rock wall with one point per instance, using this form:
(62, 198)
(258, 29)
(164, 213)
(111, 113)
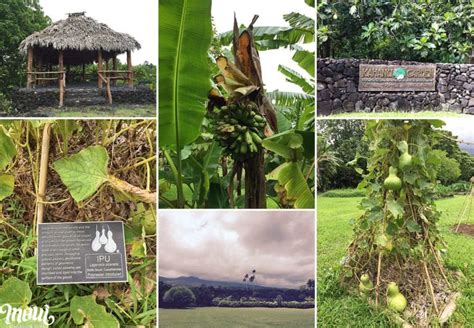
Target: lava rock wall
(338, 81)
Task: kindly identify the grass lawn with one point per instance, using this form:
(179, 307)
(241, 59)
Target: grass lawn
(96, 111)
(336, 308)
(404, 115)
(217, 317)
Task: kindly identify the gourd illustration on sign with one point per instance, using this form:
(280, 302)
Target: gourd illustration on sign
(110, 246)
(96, 242)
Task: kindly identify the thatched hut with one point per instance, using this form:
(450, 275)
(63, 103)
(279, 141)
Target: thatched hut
(77, 40)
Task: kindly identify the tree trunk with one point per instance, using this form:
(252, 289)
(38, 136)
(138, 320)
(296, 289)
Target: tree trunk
(255, 186)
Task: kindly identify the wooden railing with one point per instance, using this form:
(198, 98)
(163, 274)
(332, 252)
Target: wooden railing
(33, 77)
(107, 86)
(105, 76)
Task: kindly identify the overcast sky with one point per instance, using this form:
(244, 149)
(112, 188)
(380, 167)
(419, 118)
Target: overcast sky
(226, 245)
(139, 18)
(464, 130)
(270, 14)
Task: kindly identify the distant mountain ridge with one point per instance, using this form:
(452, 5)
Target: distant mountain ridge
(192, 281)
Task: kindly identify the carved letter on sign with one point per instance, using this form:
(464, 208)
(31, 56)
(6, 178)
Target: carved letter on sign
(397, 78)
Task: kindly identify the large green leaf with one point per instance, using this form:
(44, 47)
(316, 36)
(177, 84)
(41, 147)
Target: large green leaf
(274, 37)
(290, 176)
(306, 60)
(7, 183)
(287, 98)
(15, 292)
(83, 173)
(85, 311)
(7, 149)
(185, 36)
(296, 78)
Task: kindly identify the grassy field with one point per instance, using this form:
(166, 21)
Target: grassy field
(338, 309)
(215, 317)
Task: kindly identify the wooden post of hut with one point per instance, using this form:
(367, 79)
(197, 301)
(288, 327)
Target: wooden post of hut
(30, 68)
(114, 67)
(61, 78)
(83, 77)
(130, 72)
(99, 71)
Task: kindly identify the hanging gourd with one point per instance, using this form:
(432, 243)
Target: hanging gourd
(365, 285)
(395, 300)
(392, 182)
(405, 159)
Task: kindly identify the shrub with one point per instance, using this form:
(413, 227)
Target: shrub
(447, 169)
(455, 188)
(344, 193)
(179, 297)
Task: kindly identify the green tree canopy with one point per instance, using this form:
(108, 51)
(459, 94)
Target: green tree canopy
(179, 297)
(428, 30)
(19, 19)
(447, 169)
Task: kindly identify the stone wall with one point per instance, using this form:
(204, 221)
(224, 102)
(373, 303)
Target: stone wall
(27, 100)
(338, 79)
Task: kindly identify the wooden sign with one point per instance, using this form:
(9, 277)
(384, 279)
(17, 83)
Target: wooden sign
(397, 78)
(81, 252)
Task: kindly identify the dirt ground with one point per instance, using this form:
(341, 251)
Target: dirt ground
(465, 229)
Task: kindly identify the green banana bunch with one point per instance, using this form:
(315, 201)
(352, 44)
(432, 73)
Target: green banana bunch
(239, 129)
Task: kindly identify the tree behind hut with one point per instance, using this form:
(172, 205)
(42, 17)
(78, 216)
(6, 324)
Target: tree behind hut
(19, 18)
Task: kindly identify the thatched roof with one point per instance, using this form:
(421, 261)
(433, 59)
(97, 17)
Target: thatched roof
(80, 33)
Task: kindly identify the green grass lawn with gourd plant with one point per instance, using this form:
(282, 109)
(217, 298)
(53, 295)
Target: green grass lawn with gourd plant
(218, 317)
(337, 308)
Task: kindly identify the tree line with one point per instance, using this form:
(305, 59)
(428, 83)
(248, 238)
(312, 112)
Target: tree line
(343, 149)
(427, 31)
(200, 296)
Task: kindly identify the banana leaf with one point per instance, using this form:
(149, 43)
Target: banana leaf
(185, 36)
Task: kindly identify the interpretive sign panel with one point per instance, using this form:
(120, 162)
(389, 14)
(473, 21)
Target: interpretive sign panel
(81, 252)
(397, 78)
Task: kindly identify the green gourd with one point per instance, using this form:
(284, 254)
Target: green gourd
(395, 300)
(365, 285)
(405, 159)
(392, 182)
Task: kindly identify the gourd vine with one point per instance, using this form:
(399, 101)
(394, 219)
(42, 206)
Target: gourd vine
(395, 257)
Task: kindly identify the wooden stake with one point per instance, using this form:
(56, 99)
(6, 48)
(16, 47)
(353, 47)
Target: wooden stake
(99, 70)
(379, 265)
(29, 81)
(130, 71)
(83, 78)
(430, 285)
(61, 78)
(43, 174)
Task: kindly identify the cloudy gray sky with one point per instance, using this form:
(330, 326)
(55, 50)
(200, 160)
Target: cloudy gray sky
(270, 14)
(139, 18)
(464, 130)
(224, 246)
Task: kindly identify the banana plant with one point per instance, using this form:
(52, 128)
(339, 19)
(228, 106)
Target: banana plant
(185, 37)
(292, 183)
